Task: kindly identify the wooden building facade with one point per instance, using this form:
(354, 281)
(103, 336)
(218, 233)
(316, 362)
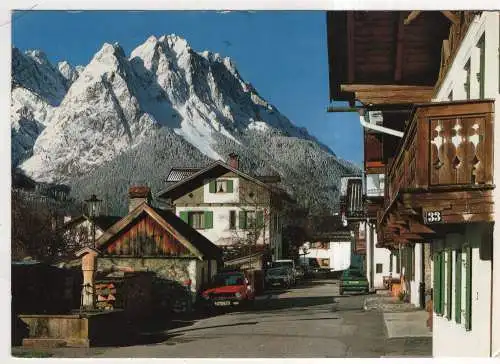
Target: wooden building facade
(433, 78)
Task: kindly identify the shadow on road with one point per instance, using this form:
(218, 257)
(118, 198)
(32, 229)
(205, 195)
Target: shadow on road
(292, 302)
(148, 338)
(311, 284)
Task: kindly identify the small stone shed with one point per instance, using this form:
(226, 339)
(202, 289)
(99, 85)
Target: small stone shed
(155, 240)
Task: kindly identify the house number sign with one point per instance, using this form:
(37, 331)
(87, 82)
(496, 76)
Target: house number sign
(432, 217)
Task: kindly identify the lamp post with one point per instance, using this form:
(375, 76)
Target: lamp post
(93, 205)
(305, 251)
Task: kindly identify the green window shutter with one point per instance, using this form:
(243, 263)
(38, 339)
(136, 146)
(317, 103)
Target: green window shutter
(184, 216)
(435, 298)
(229, 185)
(449, 290)
(232, 219)
(438, 283)
(212, 186)
(209, 219)
(260, 218)
(468, 288)
(442, 280)
(458, 286)
(243, 220)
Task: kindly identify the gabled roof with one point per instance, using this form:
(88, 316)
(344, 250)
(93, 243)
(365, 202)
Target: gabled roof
(196, 179)
(195, 242)
(177, 174)
(103, 222)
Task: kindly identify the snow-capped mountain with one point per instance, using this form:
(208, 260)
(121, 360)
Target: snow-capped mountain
(164, 95)
(37, 88)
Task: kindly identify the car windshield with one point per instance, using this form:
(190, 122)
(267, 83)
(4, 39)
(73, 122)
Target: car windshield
(354, 273)
(282, 264)
(277, 271)
(228, 280)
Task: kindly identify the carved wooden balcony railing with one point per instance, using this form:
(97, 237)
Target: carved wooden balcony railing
(443, 170)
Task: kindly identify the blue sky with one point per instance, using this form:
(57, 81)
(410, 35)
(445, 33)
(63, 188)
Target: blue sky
(282, 53)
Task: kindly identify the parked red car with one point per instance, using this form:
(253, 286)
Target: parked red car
(228, 289)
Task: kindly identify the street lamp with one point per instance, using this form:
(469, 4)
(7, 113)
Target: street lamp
(305, 251)
(93, 206)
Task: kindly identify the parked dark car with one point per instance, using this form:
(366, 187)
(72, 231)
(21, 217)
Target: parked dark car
(353, 280)
(228, 289)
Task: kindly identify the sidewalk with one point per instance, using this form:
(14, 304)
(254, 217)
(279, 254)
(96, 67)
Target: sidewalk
(401, 319)
(407, 333)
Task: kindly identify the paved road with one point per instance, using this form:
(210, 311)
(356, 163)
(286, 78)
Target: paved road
(309, 320)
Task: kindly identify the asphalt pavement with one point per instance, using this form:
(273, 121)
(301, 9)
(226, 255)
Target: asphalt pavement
(309, 320)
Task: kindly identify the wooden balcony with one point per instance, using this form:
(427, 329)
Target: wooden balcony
(443, 170)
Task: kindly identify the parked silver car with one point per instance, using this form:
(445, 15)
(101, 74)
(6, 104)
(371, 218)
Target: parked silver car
(280, 276)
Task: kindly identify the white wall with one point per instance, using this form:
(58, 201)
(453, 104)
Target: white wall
(220, 233)
(469, 343)
(87, 226)
(450, 338)
(380, 256)
(419, 275)
(339, 254)
(394, 272)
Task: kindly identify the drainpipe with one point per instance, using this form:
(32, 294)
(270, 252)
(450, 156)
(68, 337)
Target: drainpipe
(372, 253)
(379, 128)
(495, 355)
(361, 111)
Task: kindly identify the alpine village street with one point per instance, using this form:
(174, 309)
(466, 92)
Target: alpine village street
(309, 320)
(162, 208)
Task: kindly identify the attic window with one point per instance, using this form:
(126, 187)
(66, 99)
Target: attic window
(221, 186)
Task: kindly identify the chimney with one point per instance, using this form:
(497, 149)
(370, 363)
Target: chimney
(234, 161)
(137, 195)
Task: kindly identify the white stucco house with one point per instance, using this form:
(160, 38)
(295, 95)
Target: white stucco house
(83, 231)
(466, 320)
(228, 206)
(328, 251)
(378, 260)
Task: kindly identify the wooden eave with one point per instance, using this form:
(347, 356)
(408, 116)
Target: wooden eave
(390, 94)
(376, 48)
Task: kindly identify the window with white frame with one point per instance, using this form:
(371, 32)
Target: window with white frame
(196, 219)
(482, 66)
(467, 80)
(221, 186)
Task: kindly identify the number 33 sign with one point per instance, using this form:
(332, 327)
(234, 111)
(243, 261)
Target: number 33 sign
(432, 217)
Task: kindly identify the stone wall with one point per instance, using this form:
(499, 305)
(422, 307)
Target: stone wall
(176, 284)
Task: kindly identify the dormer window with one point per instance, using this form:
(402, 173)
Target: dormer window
(221, 186)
